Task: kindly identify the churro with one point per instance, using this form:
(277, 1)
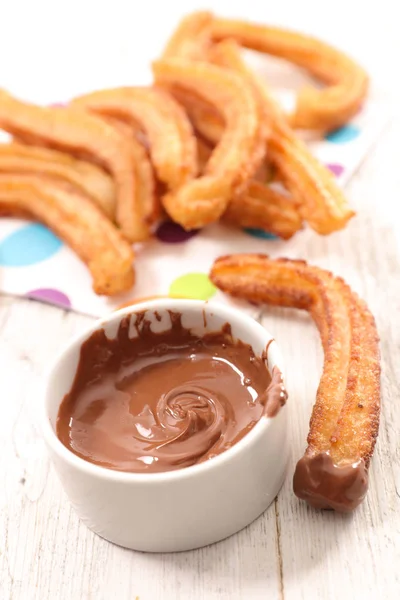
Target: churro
(346, 81)
(76, 220)
(344, 425)
(239, 152)
(58, 166)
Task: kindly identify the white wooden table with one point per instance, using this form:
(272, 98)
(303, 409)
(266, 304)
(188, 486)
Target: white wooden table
(291, 552)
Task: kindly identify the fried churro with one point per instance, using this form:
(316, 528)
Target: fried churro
(58, 166)
(76, 220)
(344, 425)
(346, 81)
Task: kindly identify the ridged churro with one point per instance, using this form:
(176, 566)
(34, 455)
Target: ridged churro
(76, 220)
(347, 82)
(344, 425)
(58, 166)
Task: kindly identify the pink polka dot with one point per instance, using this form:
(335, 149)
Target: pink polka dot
(51, 296)
(336, 169)
(172, 233)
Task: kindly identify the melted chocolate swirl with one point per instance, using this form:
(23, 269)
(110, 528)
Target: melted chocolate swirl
(162, 401)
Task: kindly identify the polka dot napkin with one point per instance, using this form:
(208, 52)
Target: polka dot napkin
(36, 264)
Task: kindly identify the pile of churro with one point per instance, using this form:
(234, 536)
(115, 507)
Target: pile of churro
(199, 145)
(207, 142)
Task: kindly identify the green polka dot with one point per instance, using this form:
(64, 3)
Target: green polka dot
(196, 286)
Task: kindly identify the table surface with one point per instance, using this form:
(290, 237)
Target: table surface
(291, 552)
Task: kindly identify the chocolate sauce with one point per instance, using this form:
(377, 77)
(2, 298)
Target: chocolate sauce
(325, 485)
(275, 395)
(153, 402)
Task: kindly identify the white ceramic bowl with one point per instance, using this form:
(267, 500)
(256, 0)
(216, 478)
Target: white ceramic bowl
(186, 508)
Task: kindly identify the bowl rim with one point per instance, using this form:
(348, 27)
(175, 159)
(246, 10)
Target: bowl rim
(105, 473)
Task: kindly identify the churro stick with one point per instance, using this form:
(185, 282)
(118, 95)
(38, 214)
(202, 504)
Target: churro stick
(172, 144)
(264, 208)
(191, 39)
(80, 133)
(239, 152)
(75, 219)
(90, 179)
(321, 201)
(347, 82)
(344, 425)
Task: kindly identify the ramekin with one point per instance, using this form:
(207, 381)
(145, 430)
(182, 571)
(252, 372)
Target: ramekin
(190, 507)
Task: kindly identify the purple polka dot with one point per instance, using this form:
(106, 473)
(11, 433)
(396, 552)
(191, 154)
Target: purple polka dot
(336, 169)
(51, 296)
(172, 233)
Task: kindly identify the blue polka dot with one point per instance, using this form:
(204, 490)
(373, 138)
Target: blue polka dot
(29, 245)
(261, 234)
(343, 135)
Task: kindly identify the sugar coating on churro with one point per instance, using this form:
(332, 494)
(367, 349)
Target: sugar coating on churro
(345, 418)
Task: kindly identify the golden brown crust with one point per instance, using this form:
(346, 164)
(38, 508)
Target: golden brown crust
(172, 144)
(83, 134)
(75, 219)
(345, 418)
(90, 179)
(238, 153)
(347, 82)
(361, 405)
